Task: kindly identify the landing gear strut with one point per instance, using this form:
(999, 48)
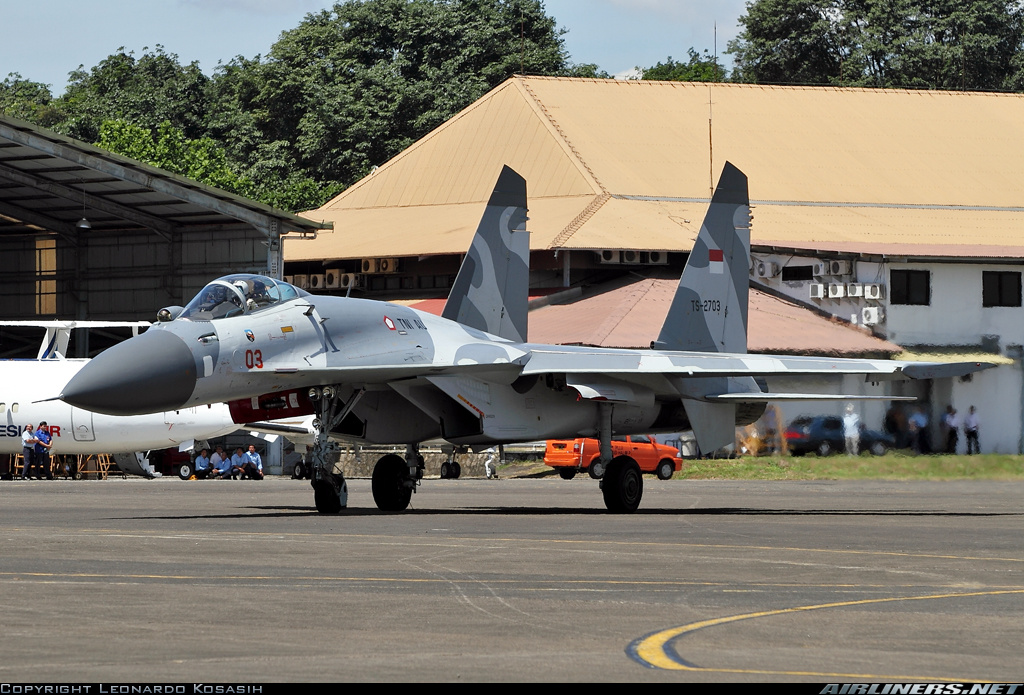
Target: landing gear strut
(330, 491)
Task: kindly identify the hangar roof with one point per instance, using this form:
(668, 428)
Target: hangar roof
(630, 314)
(49, 182)
(630, 164)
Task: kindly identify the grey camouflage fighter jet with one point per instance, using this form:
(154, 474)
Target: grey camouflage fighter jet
(374, 372)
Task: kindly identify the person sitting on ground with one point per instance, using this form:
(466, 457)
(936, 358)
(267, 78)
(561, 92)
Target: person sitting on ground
(253, 468)
(202, 465)
(237, 467)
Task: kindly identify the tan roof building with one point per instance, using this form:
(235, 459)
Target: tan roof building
(630, 165)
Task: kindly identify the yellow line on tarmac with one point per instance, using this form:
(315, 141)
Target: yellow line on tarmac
(652, 651)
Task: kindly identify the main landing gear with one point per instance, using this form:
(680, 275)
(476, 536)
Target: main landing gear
(622, 483)
(394, 478)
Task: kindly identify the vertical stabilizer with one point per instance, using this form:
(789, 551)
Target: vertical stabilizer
(491, 291)
(709, 310)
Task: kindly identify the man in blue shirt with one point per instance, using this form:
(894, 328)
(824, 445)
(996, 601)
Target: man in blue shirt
(203, 467)
(253, 467)
(43, 445)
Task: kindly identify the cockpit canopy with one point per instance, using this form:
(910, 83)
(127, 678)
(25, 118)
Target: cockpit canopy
(242, 293)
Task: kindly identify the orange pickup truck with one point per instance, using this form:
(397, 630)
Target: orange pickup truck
(568, 456)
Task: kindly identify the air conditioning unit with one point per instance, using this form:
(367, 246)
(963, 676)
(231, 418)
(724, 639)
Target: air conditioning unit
(654, 257)
(766, 269)
(840, 267)
(610, 256)
(387, 265)
(331, 279)
(288, 279)
(854, 289)
(371, 265)
(874, 291)
(317, 281)
(836, 290)
(630, 256)
(347, 280)
(817, 290)
(301, 281)
(819, 269)
(871, 315)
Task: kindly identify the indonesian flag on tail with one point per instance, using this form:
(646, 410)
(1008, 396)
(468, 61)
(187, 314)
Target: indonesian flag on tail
(716, 261)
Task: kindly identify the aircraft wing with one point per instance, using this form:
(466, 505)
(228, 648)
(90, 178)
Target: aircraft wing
(627, 362)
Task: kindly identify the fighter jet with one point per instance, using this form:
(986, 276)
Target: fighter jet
(380, 373)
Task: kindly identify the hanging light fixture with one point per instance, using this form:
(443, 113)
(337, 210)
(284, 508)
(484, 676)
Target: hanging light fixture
(84, 222)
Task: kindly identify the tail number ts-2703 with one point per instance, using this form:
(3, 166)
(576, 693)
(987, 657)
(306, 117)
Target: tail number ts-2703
(706, 305)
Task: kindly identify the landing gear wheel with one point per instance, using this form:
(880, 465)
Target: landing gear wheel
(596, 469)
(446, 470)
(623, 485)
(185, 471)
(665, 470)
(299, 471)
(390, 493)
(456, 470)
(326, 496)
(567, 473)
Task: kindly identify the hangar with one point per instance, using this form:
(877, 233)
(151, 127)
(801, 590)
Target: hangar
(897, 213)
(85, 233)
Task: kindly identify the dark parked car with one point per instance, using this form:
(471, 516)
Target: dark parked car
(823, 435)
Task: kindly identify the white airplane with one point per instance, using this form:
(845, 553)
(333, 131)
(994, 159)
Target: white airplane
(75, 431)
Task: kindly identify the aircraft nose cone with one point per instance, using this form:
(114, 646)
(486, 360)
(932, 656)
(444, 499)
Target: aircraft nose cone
(150, 373)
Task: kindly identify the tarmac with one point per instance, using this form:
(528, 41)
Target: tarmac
(171, 581)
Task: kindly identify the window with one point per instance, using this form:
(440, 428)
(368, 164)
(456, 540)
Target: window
(910, 287)
(1000, 288)
(793, 273)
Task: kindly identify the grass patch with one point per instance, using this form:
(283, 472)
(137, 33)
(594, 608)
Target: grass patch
(892, 466)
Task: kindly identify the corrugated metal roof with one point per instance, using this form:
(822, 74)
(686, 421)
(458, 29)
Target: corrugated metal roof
(48, 182)
(630, 315)
(621, 164)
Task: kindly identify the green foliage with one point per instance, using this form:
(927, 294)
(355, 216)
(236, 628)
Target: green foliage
(353, 86)
(932, 44)
(147, 91)
(29, 101)
(699, 68)
(202, 159)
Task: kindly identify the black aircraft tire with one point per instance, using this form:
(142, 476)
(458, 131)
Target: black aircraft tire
(298, 471)
(446, 471)
(390, 494)
(185, 471)
(325, 497)
(623, 485)
(456, 470)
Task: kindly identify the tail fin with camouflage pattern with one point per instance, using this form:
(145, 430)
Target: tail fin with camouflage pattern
(491, 291)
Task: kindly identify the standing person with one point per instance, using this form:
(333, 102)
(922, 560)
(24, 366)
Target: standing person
(851, 431)
(28, 452)
(951, 423)
(253, 468)
(43, 445)
(971, 430)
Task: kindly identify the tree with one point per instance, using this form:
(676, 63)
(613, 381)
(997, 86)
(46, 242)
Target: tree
(933, 44)
(146, 91)
(353, 86)
(29, 101)
(699, 68)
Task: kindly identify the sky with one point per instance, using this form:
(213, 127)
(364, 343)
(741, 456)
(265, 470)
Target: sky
(47, 39)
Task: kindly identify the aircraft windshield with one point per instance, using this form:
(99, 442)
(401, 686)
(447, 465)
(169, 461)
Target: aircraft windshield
(237, 294)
